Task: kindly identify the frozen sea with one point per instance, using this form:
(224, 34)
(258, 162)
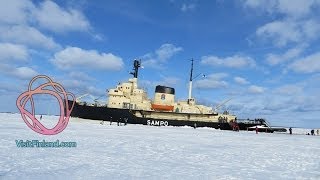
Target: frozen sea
(142, 152)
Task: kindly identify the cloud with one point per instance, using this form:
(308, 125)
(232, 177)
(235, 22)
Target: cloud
(10, 88)
(81, 75)
(217, 76)
(13, 52)
(74, 57)
(309, 64)
(276, 104)
(20, 22)
(236, 61)
(296, 7)
(275, 59)
(166, 51)
(80, 83)
(152, 63)
(296, 24)
(255, 89)
(310, 29)
(212, 81)
(28, 36)
(287, 101)
(54, 18)
(15, 11)
(299, 97)
(292, 8)
(165, 81)
(306, 103)
(240, 80)
(170, 81)
(22, 72)
(282, 32)
(46, 14)
(210, 84)
(262, 4)
(187, 7)
(160, 56)
(289, 89)
(80, 87)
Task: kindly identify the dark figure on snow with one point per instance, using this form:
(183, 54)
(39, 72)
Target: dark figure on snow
(237, 128)
(257, 129)
(125, 121)
(290, 130)
(312, 132)
(41, 117)
(110, 120)
(195, 125)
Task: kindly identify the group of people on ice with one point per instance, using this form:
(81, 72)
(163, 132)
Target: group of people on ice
(312, 132)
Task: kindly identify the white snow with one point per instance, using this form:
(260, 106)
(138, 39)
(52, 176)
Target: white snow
(144, 152)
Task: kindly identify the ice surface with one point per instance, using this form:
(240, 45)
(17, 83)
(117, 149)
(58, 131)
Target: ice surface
(142, 152)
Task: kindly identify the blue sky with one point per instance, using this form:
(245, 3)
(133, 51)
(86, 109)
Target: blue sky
(262, 54)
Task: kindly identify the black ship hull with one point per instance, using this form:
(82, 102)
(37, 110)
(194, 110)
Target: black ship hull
(127, 116)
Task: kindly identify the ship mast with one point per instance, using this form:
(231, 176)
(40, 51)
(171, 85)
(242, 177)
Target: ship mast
(190, 82)
(136, 65)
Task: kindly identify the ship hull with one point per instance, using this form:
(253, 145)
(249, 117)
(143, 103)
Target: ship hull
(115, 115)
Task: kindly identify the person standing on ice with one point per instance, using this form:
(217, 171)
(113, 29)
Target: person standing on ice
(195, 125)
(257, 129)
(41, 117)
(290, 130)
(317, 132)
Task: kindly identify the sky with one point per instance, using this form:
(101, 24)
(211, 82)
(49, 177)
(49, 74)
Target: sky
(263, 55)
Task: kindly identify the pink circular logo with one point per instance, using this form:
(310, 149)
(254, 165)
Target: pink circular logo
(58, 92)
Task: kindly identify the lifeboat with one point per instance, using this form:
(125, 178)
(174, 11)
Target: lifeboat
(159, 107)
